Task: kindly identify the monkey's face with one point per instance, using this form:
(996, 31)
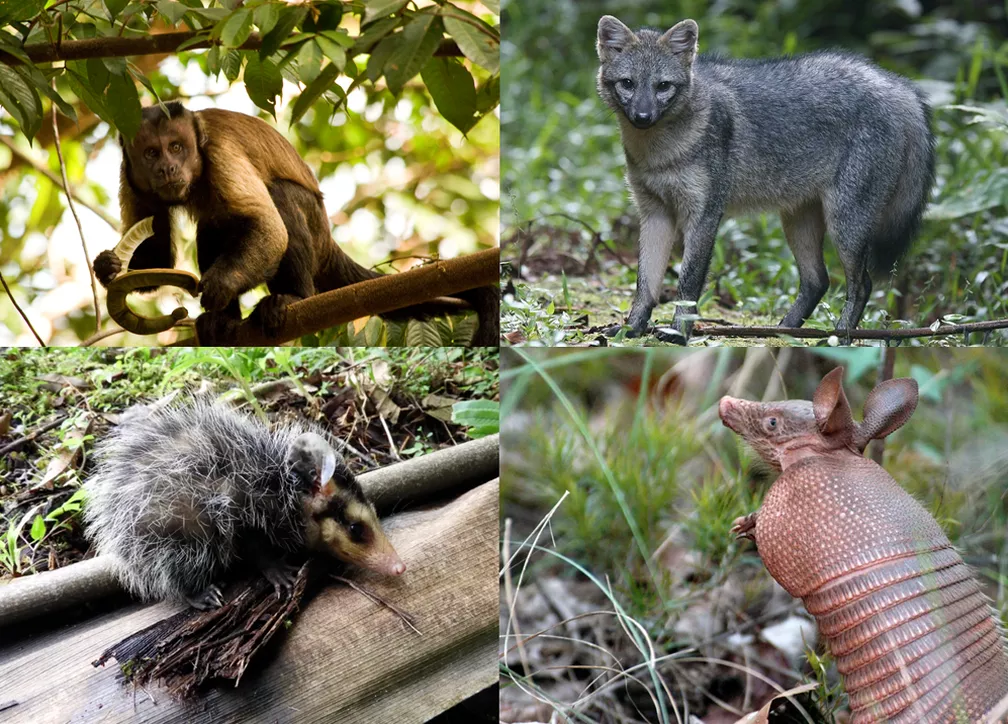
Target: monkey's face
(164, 158)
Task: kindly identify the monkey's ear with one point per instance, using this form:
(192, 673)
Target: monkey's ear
(199, 127)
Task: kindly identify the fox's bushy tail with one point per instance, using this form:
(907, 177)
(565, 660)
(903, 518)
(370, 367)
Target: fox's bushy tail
(902, 217)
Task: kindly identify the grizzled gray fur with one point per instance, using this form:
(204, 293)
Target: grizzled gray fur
(829, 140)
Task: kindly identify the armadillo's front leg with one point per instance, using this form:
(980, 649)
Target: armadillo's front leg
(745, 527)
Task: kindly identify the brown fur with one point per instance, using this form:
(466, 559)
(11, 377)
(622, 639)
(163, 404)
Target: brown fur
(259, 216)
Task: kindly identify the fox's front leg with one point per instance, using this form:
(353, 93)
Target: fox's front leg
(657, 237)
(698, 246)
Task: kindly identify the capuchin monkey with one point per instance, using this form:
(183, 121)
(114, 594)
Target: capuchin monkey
(259, 218)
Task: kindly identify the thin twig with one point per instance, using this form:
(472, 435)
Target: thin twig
(376, 599)
(20, 311)
(709, 330)
(73, 210)
(40, 168)
(12, 446)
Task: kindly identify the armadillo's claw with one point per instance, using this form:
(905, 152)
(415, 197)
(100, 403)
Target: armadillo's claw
(745, 527)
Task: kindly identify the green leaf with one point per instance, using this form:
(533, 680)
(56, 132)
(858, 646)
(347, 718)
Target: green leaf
(481, 416)
(79, 83)
(422, 334)
(12, 11)
(263, 82)
(123, 104)
(115, 7)
(313, 91)
(488, 95)
(266, 17)
(11, 44)
(21, 100)
(374, 332)
(367, 40)
(98, 74)
(236, 29)
(381, 8)
(172, 10)
(453, 91)
(477, 40)
(416, 45)
(231, 64)
(309, 60)
(38, 528)
(333, 51)
(379, 56)
(493, 6)
(289, 17)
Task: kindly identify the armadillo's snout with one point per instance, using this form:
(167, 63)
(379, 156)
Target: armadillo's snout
(728, 410)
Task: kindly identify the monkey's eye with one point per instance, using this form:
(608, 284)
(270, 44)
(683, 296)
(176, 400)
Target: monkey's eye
(625, 83)
(176, 147)
(356, 531)
(151, 153)
(663, 86)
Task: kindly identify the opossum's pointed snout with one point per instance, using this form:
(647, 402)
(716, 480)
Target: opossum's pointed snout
(387, 563)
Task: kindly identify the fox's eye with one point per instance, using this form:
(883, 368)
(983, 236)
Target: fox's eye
(625, 83)
(664, 86)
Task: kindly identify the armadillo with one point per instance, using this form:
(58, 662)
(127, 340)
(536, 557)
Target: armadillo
(914, 637)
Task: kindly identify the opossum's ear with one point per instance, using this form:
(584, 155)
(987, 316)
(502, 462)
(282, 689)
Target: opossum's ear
(887, 409)
(613, 38)
(832, 411)
(328, 466)
(682, 38)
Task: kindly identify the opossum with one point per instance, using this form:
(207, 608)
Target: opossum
(180, 496)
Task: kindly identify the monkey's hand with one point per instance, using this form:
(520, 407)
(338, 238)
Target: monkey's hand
(219, 287)
(107, 267)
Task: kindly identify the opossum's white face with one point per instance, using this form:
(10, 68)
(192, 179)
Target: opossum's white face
(354, 535)
(339, 519)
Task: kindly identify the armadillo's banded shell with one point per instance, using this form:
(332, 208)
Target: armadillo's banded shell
(912, 633)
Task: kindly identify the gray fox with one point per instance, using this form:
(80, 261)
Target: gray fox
(828, 139)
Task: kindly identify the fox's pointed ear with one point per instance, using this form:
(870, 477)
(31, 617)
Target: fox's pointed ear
(613, 38)
(682, 38)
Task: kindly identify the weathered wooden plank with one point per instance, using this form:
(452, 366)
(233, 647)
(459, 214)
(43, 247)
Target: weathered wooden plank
(345, 660)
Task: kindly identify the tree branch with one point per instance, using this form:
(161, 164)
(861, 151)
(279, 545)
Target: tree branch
(378, 296)
(159, 43)
(711, 330)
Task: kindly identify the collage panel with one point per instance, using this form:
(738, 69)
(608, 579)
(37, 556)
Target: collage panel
(756, 172)
(753, 535)
(224, 173)
(243, 535)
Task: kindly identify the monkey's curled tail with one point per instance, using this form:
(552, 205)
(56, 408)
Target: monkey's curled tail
(902, 215)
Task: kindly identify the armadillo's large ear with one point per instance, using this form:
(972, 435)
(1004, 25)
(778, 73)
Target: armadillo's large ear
(613, 38)
(887, 409)
(832, 411)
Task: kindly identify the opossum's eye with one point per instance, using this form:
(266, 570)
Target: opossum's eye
(664, 86)
(625, 84)
(357, 532)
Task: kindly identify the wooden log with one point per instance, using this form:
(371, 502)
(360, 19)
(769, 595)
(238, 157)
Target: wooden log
(347, 659)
